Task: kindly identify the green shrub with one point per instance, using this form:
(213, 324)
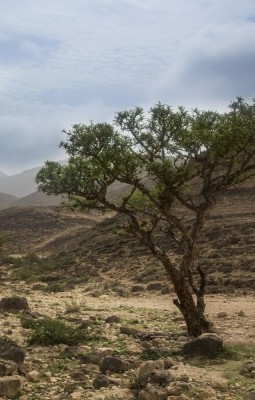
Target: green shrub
(72, 307)
(151, 354)
(54, 331)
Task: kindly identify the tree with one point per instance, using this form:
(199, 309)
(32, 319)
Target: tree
(176, 163)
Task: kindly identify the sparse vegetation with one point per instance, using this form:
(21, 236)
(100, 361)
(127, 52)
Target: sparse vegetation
(72, 307)
(50, 332)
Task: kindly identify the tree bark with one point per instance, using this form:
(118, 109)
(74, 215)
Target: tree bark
(194, 314)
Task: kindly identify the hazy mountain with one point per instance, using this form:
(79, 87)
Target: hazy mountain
(37, 199)
(6, 200)
(19, 185)
(22, 184)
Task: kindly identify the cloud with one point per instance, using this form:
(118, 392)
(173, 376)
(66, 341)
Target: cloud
(65, 62)
(215, 65)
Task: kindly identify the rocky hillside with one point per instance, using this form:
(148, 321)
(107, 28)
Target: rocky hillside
(29, 228)
(93, 248)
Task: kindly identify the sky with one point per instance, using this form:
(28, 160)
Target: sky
(64, 62)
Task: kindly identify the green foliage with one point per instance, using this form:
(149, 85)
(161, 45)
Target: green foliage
(3, 239)
(237, 352)
(176, 163)
(30, 268)
(49, 332)
(72, 307)
(152, 354)
(170, 148)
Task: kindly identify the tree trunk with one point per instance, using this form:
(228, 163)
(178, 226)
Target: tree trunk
(193, 314)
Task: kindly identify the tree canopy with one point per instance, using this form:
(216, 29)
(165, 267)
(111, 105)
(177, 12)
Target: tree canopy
(176, 163)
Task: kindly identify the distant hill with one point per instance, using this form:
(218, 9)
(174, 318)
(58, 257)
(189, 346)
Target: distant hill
(6, 200)
(37, 199)
(22, 184)
(20, 190)
(19, 185)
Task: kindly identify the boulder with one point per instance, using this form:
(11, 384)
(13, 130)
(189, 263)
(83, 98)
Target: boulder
(137, 288)
(113, 364)
(13, 304)
(147, 367)
(9, 350)
(7, 367)
(130, 331)
(78, 376)
(155, 286)
(161, 377)
(95, 357)
(10, 386)
(71, 351)
(207, 345)
(33, 376)
(112, 319)
(249, 396)
(101, 381)
(153, 393)
(177, 388)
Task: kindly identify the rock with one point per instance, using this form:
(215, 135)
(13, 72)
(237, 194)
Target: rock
(153, 393)
(206, 345)
(147, 367)
(101, 381)
(9, 350)
(137, 288)
(71, 351)
(7, 367)
(219, 384)
(76, 395)
(104, 381)
(33, 376)
(78, 376)
(161, 377)
(31, 315)
(10, 386)
(248, 368)
(241, 313)
(155, 286)
(113, 364)
(249, 396)
(222, 314)
(168, 363)
(181, 397)
(166, 290)
(130, 331)
(177, 388)
(13, 304)
(113, 319)
(96, 356)
(134, 349)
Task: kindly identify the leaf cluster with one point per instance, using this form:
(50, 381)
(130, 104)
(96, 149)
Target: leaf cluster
(49, 332)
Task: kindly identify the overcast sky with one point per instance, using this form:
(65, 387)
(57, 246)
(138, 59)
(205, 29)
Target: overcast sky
(69, 61)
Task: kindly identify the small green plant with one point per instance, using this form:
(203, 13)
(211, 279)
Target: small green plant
(3, 239)
(54, 331)
(151, 354)
(54, 287)
(72, 307)
(237, 352)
